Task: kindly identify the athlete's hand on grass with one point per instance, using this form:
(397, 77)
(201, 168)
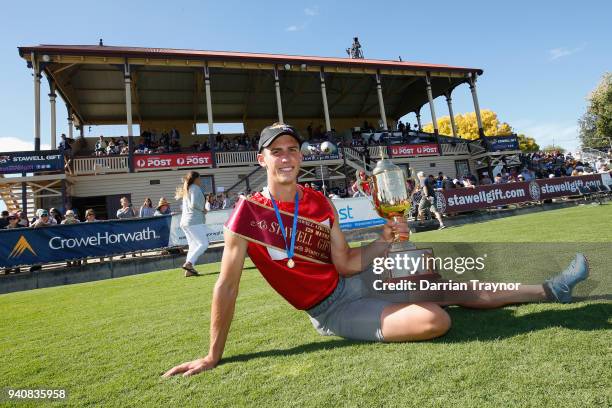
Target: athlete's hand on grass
(192, 367)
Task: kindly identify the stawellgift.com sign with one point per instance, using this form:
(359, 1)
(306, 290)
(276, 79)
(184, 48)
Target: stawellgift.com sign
(470, 199)
(29, 162)
(30, 246)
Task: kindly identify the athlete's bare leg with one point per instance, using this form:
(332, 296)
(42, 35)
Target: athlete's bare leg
(413, 322)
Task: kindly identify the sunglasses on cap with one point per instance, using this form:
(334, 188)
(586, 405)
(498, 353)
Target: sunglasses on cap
(45, 214)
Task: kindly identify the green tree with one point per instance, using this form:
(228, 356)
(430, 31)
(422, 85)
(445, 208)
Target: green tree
(596, 124)
(527, 144)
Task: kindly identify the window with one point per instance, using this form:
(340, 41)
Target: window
(462, 167)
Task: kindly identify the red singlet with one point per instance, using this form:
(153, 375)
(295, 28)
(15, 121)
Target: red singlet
(307, 283)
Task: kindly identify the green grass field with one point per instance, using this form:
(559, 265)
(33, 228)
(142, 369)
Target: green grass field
(108, 342)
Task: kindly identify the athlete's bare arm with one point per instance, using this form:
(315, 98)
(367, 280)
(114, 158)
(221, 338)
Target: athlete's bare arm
(223, 303)
(350, 261)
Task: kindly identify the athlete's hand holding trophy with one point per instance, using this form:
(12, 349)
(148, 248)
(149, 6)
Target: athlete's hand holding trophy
(391, 199)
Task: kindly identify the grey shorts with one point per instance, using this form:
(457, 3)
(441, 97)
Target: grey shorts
(349, 312)
(427, 202)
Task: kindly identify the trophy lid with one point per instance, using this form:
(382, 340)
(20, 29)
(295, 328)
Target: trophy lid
(385, 165)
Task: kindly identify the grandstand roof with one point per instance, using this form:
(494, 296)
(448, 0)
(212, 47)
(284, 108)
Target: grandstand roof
(167, 84)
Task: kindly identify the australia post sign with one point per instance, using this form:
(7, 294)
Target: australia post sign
(170, 160)
(469, 199)
(427, 149)
(29, 162)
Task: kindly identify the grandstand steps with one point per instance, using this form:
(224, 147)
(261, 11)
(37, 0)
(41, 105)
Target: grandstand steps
(11, 195)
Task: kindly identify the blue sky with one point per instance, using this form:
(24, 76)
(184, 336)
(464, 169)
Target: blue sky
(540, 59)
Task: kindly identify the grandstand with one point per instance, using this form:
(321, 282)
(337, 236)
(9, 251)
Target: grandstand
(171, 91)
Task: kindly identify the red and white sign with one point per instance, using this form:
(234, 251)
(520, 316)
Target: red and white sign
(428, 149)
(165, 161)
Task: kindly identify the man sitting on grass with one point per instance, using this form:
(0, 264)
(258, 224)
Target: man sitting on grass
(314, 275)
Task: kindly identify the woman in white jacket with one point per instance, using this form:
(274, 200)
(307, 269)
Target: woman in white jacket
(193, 219)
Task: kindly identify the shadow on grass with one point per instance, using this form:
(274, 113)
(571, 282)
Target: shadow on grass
(470, 325)
(301, 349)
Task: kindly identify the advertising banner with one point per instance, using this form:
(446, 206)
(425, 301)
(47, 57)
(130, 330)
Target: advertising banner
(469, 199)
(353, 213)
(28, 246)
(29, 162)
(426, 149)
(498, 143)
(357, 213)
(172, 160)
(214, 225)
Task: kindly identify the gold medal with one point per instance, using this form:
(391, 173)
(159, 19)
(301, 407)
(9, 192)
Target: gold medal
(290, 263)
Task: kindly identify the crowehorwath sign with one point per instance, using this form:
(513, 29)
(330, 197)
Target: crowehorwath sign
(30, 246)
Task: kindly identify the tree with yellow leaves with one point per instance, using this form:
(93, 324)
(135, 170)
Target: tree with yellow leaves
(467, 128)
(467, 125)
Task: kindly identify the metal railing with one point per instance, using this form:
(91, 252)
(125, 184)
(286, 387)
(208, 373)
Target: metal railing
(99, 165)
(448, 149)
(235, 158)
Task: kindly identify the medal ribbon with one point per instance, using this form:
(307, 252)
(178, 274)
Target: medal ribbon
(291, 249)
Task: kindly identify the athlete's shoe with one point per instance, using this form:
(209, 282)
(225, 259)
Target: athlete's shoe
(561, 285)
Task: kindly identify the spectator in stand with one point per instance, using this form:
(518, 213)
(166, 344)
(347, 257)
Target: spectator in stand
(306, 185)
(498, 179)
(147, 209)
(55, 215)
(208, 202)
(126, 211)
(467, 182)
(400, 126)
(440, 180)
(111, 148)
(23, 219)
(334, 195)
(4, 219)
(165, 140)
(163, 207)
(90, 215)
(174, 146)
(485, 179)
(224, 201)
(65, 145)
(193, 219)
(100, 148)
(125, 150)
(146, 137)
(13, 221)
(361, 186)
(141, 147)
(70, 218)
(43, 220)
(122, 142)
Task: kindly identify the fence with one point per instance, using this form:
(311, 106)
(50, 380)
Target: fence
(107, 238)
